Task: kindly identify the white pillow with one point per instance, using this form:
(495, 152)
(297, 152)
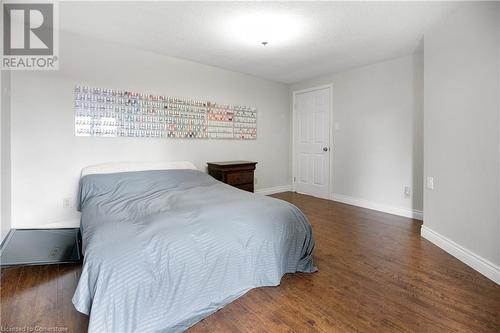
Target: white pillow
(135, 166)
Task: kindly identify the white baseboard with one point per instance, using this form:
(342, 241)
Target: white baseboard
(70, 223)
(273, 190)
(483, 266)
(4, 240)
(414, 214)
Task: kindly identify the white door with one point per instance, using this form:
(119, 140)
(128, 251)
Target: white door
(312, 142)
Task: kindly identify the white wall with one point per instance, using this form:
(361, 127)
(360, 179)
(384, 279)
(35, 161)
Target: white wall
(5, 168)
(462, 134)
(47, 157)
(378, 145)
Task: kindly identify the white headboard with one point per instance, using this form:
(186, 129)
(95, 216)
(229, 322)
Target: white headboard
(136, 166)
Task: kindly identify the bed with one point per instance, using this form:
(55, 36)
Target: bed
(166, 245)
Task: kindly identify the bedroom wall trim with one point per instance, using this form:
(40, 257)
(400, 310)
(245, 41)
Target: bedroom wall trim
(70, 223)
(273, 190)
(5, 239)
(478, 263)
(405, 212)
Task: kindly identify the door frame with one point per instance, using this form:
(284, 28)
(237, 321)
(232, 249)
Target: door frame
(330, 137)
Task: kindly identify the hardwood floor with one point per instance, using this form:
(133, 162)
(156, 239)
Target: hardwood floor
(376, 274)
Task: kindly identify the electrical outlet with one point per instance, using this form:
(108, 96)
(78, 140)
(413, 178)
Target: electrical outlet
(430, 183)
(407, 192)
(68, 203)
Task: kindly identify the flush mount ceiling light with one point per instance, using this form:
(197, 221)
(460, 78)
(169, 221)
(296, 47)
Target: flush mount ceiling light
(265, 29)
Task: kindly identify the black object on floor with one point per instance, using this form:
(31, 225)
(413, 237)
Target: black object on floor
(41, 247)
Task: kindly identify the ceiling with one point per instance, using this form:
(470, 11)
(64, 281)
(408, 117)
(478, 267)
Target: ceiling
(328, 36)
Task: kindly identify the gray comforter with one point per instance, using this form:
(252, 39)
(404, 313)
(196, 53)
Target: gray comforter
(164, 249)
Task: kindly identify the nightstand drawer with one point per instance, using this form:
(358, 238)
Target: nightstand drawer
(236, 173)
(245, 187)
(237, 178)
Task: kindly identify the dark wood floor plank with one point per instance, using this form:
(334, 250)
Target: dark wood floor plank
(24, 299)
(376, 274)
(8, 292)
(46, 297)
(68, 316)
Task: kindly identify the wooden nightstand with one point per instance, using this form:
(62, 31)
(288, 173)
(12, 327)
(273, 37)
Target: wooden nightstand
(235, 173)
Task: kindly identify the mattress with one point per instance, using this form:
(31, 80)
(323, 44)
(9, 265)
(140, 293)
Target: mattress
(163, 249)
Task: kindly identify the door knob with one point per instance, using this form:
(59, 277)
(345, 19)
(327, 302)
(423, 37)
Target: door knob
(325, 148)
